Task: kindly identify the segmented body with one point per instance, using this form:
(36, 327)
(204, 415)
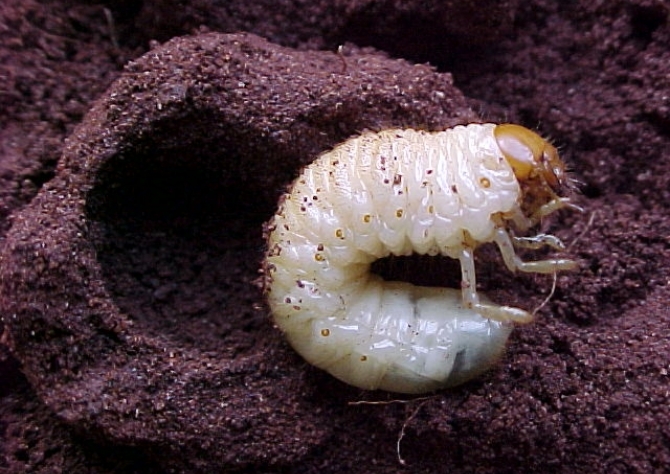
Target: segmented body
(396, 192)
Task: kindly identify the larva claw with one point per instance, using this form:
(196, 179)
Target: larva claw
(504, 314)
(538, 241)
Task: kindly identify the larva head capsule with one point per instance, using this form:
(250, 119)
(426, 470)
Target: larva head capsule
(535, 162)
(530, 155)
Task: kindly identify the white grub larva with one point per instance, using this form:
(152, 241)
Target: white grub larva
(399, 192)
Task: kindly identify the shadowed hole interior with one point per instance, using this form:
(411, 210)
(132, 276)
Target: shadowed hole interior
(179, 240)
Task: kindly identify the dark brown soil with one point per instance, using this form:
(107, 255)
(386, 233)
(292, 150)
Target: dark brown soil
(133, 188)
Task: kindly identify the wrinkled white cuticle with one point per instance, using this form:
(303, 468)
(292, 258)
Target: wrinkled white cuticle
(395, 192)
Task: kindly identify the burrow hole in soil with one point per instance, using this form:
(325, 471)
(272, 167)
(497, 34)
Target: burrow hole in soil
(178, 233)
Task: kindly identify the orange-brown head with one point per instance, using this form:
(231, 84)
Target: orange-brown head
(535, 162)
(532, 157)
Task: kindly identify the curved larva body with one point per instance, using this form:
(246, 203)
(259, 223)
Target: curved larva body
(395, 192)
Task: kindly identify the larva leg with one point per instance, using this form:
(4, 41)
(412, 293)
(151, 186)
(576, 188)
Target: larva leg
(513, 262)
(523, 222)
(538, 241)
(553, 206)
(471, 299)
